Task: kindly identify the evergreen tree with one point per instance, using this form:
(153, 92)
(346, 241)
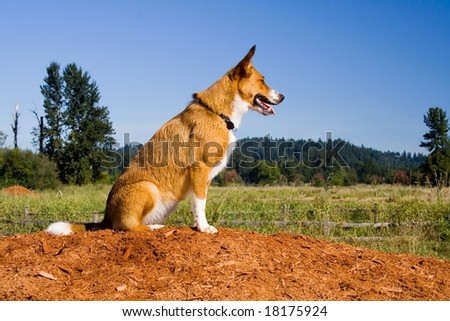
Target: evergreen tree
(265, 173)
(437, 138)
(77, 126)
(88, 126)
(52, 91)
(437, 165)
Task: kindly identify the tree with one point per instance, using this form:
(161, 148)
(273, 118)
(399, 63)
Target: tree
(437, 164)
(3, 137)
(266, 173)
(77, 126)
(436, 168)
(38, 132)
(88, 126)
(15, 124)
(437, 138)
(52, 91)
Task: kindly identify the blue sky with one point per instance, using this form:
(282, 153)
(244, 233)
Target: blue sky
(365, 70)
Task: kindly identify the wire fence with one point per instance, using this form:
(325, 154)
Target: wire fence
(28, 222)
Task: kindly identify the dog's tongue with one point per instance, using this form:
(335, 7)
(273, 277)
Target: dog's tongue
(269, 108)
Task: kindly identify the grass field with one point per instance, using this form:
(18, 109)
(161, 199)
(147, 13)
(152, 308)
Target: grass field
(388, 218)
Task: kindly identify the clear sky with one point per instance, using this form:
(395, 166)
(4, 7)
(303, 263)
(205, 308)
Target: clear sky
(365, 70)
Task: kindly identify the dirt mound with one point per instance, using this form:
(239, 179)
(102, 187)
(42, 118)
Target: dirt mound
(18, 190)
(182, 264)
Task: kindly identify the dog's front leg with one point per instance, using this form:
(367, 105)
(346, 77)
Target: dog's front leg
(199, 179)
(199, 212)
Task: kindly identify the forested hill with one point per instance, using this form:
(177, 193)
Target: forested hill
(280, 149)
(308, 161)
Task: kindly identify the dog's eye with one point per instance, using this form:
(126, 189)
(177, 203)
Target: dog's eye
(262, 81)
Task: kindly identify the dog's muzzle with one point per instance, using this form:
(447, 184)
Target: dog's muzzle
(266, 104)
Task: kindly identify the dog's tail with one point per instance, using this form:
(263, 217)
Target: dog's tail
(63, 228)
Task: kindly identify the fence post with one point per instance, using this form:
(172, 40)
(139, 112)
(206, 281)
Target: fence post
(326, 224)
(376, 214)
(285, 212)
(27, 215)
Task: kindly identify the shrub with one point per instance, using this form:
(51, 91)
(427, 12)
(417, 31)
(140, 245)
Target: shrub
(19, 167)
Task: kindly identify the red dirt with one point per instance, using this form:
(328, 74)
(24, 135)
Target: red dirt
(182, 264)
(18, 190)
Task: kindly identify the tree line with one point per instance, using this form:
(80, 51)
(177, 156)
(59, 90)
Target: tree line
(266, 160)
(74, 138)
(330, 162)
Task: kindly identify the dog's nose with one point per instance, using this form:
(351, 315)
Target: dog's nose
(281, 97)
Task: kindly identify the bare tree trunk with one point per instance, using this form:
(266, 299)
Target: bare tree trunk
(15, 125)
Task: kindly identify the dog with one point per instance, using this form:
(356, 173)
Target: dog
(184, 155)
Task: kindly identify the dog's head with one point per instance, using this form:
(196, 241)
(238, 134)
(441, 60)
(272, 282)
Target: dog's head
(252, 87)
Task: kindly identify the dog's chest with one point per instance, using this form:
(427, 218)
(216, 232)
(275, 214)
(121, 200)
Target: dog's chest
(232, 141)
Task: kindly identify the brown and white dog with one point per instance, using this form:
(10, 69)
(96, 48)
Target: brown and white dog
(184, 155)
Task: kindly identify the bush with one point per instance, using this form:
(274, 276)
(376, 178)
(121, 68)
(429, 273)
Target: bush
(228, 177)
(18, 167)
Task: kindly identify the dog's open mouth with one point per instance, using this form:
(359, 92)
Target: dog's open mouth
(265, 104)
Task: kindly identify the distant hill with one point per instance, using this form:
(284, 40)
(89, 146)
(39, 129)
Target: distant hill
(335, 161)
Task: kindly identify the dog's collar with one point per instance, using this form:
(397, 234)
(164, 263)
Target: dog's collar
(226, 119)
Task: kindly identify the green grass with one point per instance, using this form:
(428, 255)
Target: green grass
(420, 216)
(71, 203)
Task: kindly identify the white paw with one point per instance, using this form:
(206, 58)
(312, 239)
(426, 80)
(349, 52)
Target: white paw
(208, 229)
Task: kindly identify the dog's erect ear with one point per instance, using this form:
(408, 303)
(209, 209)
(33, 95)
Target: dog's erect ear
(242, 70)
(248, 57)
